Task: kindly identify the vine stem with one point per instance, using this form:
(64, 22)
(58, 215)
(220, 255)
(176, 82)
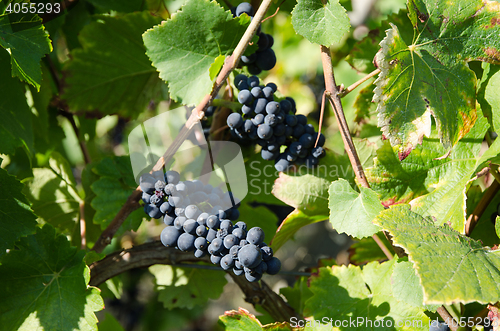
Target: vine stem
(197, 114)
(348, 90)
(145, 255)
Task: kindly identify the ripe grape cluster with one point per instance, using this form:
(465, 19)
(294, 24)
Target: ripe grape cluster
(264, 58)
(199, 219)
(273, 124)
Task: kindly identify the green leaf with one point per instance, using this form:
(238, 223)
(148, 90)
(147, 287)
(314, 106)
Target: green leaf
(352, 212)
(112, 73)
(497, 226)
(15, 127)
(109, 323)
(291, 224)
(488, 95)
(297, 295)
(187, 287)
(45, 286)
(406, 286)
(467, 271)
(363, 105)
(434, 187)
(242, 320)
(259, 216)
(427, 75)
(216, 66)
(53, 194)
(351, 292)
(119, 5)
(184, 47)
(367, 250)
(320, 22)
(17, 218)
(23, 35)
(112, 189)
(307, 190)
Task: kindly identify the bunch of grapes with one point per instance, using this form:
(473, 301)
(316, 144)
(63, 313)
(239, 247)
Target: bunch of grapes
(198, 219)
(264, 58)
(273, 124)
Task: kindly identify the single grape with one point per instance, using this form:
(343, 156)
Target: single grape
(309, 128)
(306, 140)
(250, 256)
(253, 69)
(273, 107)
(267, 253)
(182, 188)
(226, 225)
(265, 131)
(273, 266)
(146, 182)
(240, 78)
(192, 211)
(235, 214)
(170, 189)
(268, 93)
(190, 226)
(179, 211)
(201, 243)
(268, 155)
(258, 119)
(298, 131)
(227, 262)
(169, 236)
(179, 222)
(241, 225)
(202, 219)
(172, 177)
(301, 119)
(263, 42)
(282, 164)
(244, 7)
(186, 242)
(211, 235)
(230, 240)
(215, 259)
(255, 235)
(291, 120)
(295, 148)
(317, 152)
(247, 109)
(321, 141)
(245, 97)
(213, 222)
(273, 147)
(253, 81)
(261, 268)
(256, 92)
(165, 208)
(199, 254)
(146, 197)
(266, 60)
(248, 126)
(168, 219)
(234, 120)
(153, 211)
(286, 106)
(201, 231)
(215, 246)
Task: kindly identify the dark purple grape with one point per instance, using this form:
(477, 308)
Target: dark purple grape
(227, 262)
(215, 259)
(266, 60)
(245, 97)
(186, 242)
(265, 131)
(250, 256)
(244, 7)
(273, 266)
(253, 81)
(190, 226)
(273, 107)
(169, 236)
(234, 120)
(201, 243)
(255, 236)
(172, 177)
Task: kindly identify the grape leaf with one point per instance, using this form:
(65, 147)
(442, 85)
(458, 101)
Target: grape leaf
(290, 225)
(468, 271)
(323, 23)
(112, 72)
(242, 320)
(15, 127)
(352, 212)
(298, 294)
(53, 194)
(187, 287)
(363, 105)
(406, 286)
(119, 5)
(112, 189)
(427, 75)
(184, 47)
(488, 95)
(434, 187)
(25, 38)
(45, 286)
(361, 294)
(307, 190)
(259, 216)
(17, 218)
(367, 250)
